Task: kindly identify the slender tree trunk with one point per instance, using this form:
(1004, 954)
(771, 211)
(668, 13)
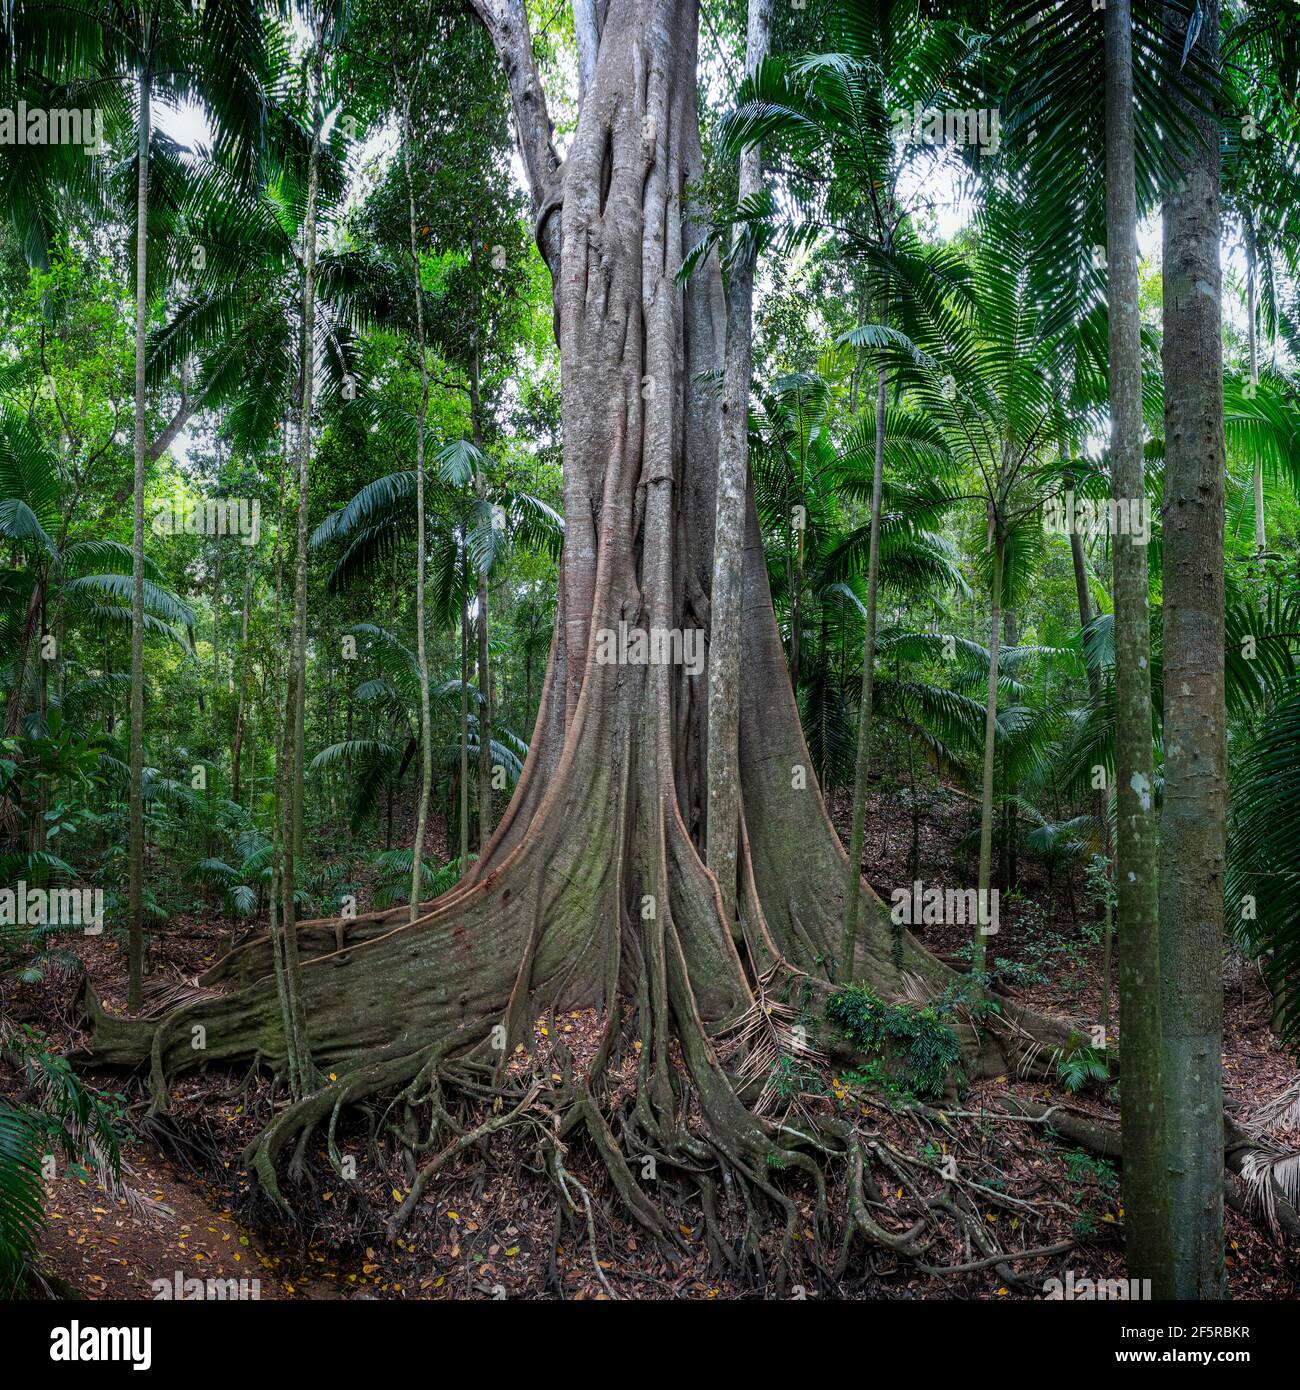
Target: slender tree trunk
(464, 727)
(1010, 823)
(216, 630)
(484, 718)
(39, 840)
(135, 853)
(422, 657)
(723, 742)
(237, 744)
(30, 636)
(1141, 1102)
(862, 767)
(1193, 826)
(278, 930)
(1252, 347)
(990, 746)
(481, 625)
(295, 710)
(1100, 797)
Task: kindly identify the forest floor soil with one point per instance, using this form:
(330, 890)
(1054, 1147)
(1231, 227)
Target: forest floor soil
(487, 1227)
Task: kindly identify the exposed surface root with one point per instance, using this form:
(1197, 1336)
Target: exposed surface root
(593, 894)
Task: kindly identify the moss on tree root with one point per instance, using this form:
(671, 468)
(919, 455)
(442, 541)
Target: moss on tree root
(592, 892)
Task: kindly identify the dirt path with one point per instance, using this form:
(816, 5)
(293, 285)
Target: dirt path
(109, 1248)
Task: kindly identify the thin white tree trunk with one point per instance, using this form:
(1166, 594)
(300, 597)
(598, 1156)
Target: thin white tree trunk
(1252, 344)
(135, 930)
(723, 755)
(858, 830)
(421, 652)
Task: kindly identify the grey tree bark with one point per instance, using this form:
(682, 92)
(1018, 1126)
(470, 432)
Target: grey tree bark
(862, 767)
(464, 726)
(999, 543)
(237, 743)
(483, 665)
(421, 650)
(296, 692)
(135, 852)
(1100, 797)
(723, 740)
(1141, 1096)
(1193, 825)
(1252, 349)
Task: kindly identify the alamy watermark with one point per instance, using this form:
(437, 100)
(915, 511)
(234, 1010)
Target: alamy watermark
(52, 907)
(78, 1343)
(40, 125)
(180, 1288)
(1085, 1290)
(209, 516)
(1068, 515)
(919, 906)
(925, 125)
(656, 646)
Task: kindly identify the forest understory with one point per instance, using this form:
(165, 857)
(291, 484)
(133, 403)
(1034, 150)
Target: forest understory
(491, 1225)
(650, 649)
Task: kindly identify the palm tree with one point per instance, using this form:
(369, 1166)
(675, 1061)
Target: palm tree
(1121, 87)
(985, 378)
(426, 737)
(1193, 822)
(1260, 182)
(379, 758)
(84, 582)
(1145, 1192)
(474, 530)
(835, 117)
(170, 51)
(818, 562)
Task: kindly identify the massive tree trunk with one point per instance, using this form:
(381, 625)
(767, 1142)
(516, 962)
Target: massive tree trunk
(1193, 824)
(1141, 1101)
(592, 891)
